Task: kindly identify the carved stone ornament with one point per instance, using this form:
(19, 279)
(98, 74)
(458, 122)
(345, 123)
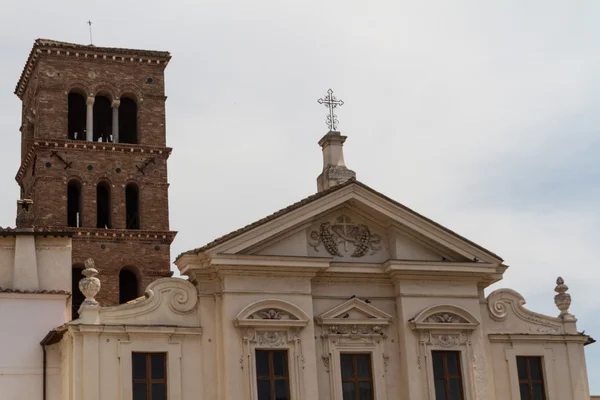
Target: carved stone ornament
(446, 318)
(344, 232)
(355, 330)
(562, 299)
(272, 314)
(90, 285)
(446, 341)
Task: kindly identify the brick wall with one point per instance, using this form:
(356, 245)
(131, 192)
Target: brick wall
(44, 177)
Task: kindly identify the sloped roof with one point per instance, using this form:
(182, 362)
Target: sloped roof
(41, 46)
(313, 198)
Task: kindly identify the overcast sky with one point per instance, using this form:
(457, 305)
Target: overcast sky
(485, 118)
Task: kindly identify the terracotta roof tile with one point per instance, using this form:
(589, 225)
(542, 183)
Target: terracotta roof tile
(315, 197)
(2, 290)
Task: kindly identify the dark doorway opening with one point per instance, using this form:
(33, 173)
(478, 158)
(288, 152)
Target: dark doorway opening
(74, 204)
(128, 121)
(77, 297)
(103, 205)
(77, 116)
(102, 119)
(128, 286)
(132, 205)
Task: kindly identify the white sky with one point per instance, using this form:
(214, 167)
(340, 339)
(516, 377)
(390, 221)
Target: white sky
(482, 117)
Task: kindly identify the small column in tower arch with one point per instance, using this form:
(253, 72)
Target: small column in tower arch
(115, 120)
(89, 129)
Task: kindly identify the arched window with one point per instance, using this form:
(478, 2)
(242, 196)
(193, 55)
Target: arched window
(128, 285)
(128, 121)
(103, 205)
(76, 296)
(102, 119)
(74, 203)
(77, 116)
(132, 206)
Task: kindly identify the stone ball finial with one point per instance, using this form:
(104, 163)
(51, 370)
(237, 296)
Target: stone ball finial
(562, 299)
(90, 285)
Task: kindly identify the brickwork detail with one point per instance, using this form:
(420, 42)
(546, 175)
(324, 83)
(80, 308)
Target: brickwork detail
(50, 160)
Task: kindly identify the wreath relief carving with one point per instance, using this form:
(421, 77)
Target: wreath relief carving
(355, 238)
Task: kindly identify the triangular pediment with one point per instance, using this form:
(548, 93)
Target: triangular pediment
(354, 312)
(350, 223)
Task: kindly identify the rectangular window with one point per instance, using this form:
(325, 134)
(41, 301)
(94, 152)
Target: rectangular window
(149, 371)
(357, 376)
(447, 375)
(531, 378)
(272, 375)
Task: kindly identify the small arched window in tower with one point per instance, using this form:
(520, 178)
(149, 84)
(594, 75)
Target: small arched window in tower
(102, 119)
(77, 116)
(74, 203)
(103, 205)
(132, 206)
(76, 296)
(128, 110)
(128, 285)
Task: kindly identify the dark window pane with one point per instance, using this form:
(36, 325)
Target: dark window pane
(452, 360)
(347, 366)
(455, 390)
(522, 367)
(264, 389)
(364, 365)
(524, 388)
(536, 368)
(262, 363)
(281, 389)
(157, 364)
(139, 391)
(538, 391)
(139, 366)
(348, 390)
(438, 366)
(440, 390)
(365, 391)
(159, 391)
(279, 363)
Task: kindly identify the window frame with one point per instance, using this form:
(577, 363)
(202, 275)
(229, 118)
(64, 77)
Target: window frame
(447, 377)
(529, 380)
(526, 349)
(355, 378)
(148, 380)
(272, 378)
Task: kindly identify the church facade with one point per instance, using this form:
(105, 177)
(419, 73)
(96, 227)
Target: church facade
(344, 295)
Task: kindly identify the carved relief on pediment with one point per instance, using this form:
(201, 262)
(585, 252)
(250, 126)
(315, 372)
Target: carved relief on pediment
(342, 236)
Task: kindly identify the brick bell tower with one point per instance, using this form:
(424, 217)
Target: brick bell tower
(94, 159)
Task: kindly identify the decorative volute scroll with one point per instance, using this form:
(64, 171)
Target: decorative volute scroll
(504, 302)
(444, 317)
(166, 301)
(271, 314)
(90, 285)
(342, 236)
(354, 317)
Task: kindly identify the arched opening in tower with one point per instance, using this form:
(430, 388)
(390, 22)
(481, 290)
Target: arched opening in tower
(74, 203)
(77, 116)
(128, 121)
(128, 286)
(102, 119)
(76, 296)
(103, 205)
(132, 205)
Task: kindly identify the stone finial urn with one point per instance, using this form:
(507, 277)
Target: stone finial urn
(90, 285)
(562, 299)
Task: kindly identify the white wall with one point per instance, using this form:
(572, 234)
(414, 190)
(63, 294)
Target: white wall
(26, 319)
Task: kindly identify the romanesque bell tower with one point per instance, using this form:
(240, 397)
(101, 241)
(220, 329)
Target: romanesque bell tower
(94, 159)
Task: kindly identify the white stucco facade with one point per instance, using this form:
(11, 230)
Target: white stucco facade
(407, 288)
